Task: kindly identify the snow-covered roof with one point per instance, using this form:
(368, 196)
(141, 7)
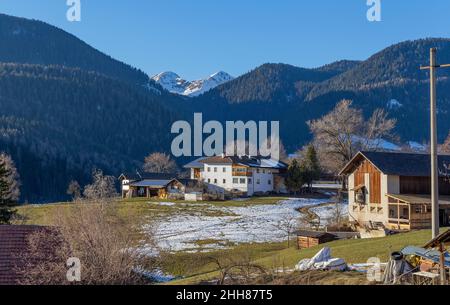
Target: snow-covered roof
(151, 183)
(196, 163)
(249, 161)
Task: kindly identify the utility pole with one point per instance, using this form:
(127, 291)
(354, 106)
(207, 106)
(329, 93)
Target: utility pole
(434, 154)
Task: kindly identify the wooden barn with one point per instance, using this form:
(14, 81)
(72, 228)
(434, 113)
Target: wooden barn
(149, 185)
(393, 190)
(309, 239)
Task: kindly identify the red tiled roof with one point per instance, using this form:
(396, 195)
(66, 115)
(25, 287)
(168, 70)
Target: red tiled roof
(13, 245)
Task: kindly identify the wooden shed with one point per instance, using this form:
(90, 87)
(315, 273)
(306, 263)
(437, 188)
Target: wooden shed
(309, 239)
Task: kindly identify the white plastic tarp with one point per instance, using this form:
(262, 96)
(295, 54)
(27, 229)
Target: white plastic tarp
(322, 261)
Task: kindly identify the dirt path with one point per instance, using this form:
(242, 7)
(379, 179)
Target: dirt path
(309, 214)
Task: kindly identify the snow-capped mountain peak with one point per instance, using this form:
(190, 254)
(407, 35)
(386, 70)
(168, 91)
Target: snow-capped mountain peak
(175, 84)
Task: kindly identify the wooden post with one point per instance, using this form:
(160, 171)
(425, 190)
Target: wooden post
(442, 264)
(434, 158)
(410, 216)
(398, 214)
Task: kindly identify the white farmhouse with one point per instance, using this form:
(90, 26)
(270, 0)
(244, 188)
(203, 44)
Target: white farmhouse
(247, 175)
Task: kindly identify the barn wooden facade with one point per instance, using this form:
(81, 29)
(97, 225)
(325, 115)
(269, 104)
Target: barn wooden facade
(392, 190)
(309, 239)
(162, 186)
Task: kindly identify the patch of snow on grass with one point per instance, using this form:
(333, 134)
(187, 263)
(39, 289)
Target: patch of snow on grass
(252, 224)
(168, 204)
(327, 212)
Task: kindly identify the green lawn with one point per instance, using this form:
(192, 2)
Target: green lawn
(276, 255)
(194, 267)
(131, 209)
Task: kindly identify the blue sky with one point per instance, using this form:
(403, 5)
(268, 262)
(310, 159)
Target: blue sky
(198, 37)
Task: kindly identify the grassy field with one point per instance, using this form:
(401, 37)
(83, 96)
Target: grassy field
(133, 209)
(198, 267)
(195, 267)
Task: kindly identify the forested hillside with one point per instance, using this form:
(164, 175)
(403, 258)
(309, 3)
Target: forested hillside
(36, 42)
(390, 79)
(60, 123)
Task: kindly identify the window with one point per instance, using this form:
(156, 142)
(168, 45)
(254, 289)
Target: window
(215, 169)
(209, 169)
(224, 169)
(249, 181)
(391, 213)
(258, 181)
(257, 171)
(209, 180)
(269, 182)
(235, 180)
(405, 213)
(242, 181)
(418, 210)
(215, 181)
(224, 181)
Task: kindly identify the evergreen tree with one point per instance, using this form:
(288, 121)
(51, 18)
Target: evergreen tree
(295, 177)
(6, 203)
(312, 166)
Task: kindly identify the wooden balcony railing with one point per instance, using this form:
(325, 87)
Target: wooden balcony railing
(396, 221)
(242, 174)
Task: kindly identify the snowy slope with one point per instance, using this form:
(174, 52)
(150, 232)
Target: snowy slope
(175, 84)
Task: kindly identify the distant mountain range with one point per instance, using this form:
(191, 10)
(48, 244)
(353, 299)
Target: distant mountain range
(67, 108)
(175, 84)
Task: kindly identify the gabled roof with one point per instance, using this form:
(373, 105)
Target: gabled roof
(14, 245)
(148, 176)
(157, 184)
(443, 238)
(189, 182)
(397, 163)
(314, 234)
(256, 161)
(196, 163)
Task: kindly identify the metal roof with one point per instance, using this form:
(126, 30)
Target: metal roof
(148, 176)
(248, 161)
(399, 164)
(442, 238)
(314, 234)
(157, 184)
(195, 164)
(419, 198)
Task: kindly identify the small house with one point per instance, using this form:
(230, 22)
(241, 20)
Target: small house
(156, 185)
(309, 239)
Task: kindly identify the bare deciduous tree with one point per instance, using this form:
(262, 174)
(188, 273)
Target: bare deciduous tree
(74, 190)
(337, 215)
(12, 179)
(238, 271)
(445, 148)
(288, 226)
(340, 134)
(106, 247)
(160, 163)
(102, 188)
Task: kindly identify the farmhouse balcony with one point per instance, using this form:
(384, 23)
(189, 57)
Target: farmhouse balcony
(242, 174)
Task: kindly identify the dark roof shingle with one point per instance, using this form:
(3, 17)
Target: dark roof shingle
(401, 164)
(14, 245)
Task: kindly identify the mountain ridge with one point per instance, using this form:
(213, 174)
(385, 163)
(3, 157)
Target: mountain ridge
(173, 83)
